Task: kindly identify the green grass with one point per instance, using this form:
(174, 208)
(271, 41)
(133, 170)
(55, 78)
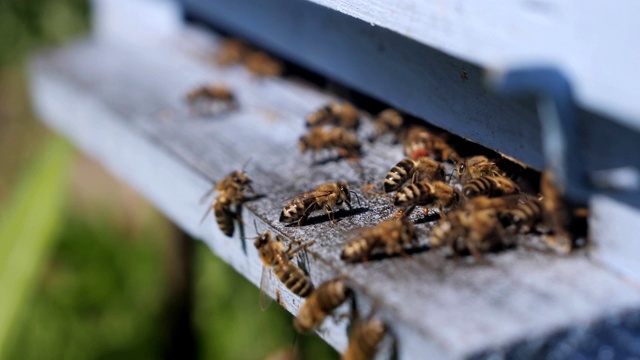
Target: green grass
(28, 226)
(230, 323)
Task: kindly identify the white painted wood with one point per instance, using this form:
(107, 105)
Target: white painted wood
(612, 224)
(594, 42)
(124, 105)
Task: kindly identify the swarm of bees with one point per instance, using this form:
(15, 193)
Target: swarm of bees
(478, 205)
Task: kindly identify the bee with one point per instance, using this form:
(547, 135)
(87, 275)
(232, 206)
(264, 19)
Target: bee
(274, 254)
(391, 235)
(231, 192)
(326, 196)
(555, 215)
(231, 52)
(524, 215)
(477, 166)
(322, 301)
(346, 142)
(417, 170)
(343, 115)
(208, 99)
(224, 214)
(468, 228)
(262, 64)
(425, 193)
(388, 121)
(235, 184)
(419, 142)
(491, 186)
(364, 340)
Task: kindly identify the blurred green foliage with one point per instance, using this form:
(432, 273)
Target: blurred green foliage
(27, 228)
(25, 24)
(230, 323)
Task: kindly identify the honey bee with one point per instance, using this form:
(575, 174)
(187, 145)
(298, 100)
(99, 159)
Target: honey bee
(491, 186)
(388, 121)
(417, 170)
(477, 166)
(364, 340)
(420, 142)
(524, 215)
(231, 192)
(208, 99)
(236, 183)
(275, 255)
(391, 235)
(344, 141)
(262, 64)
(224, 214)
(555, 214)
(425, 193)
(231, 52)
(343, 115)
(476, 230)
(326, 196)
(322, 301)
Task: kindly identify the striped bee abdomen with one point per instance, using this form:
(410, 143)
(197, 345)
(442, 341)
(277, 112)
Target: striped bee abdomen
(491, 186)
(223, 214)
(398, 175)
(294, 278)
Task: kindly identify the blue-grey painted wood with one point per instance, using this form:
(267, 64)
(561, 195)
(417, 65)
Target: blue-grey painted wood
(593, 42)
(383, 64)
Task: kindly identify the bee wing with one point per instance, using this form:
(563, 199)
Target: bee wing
(266, 285)
(313, 194)
(207, 195)
(206, 213)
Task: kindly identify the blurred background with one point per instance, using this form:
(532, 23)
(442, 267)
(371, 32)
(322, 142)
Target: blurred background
(88, 269)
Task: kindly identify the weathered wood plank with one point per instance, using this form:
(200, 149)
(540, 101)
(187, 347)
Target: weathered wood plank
(124, 104)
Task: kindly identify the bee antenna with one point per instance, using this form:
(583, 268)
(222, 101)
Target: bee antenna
(357, 197)
(449, 176)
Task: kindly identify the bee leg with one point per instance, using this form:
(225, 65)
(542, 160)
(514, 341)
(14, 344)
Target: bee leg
(302, 219)
(329, 211)
(477, 255)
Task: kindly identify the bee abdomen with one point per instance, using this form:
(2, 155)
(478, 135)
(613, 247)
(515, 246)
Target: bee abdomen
(294, 279)
(364, 340)
(357, 250)
(490, 186)
(224, 215)
(398, 175)
(527, 213)
(292, 212)
(326, 298)
(331, 294)
(412, 194)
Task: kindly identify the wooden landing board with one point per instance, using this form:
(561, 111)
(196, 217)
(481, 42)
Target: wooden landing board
(124, 105)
